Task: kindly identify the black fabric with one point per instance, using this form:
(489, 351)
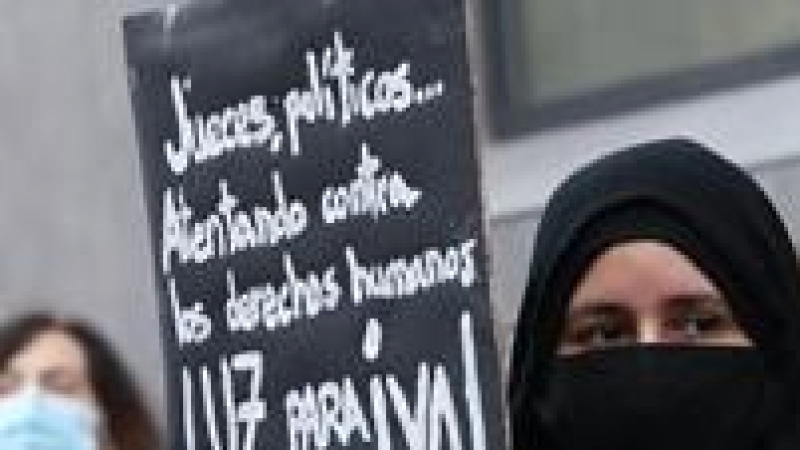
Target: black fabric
(659, 398)
(680, 193)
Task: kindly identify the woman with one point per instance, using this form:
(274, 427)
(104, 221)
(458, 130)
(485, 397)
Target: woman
(63, 388)
(662, 311)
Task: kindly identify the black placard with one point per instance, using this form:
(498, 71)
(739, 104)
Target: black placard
(312, 187)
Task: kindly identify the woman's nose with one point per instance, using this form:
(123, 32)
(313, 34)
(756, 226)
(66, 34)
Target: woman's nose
(649, 332)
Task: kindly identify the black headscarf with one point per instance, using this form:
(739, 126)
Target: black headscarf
(680, 193)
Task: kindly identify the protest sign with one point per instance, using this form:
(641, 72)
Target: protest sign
(312, 186)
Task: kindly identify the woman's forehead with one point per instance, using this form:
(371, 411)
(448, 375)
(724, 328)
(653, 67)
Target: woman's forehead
(642, 274)
(48, 350)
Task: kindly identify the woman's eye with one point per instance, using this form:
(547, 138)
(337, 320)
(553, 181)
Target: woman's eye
(60, 382)
(596, 327)
(9, 384)
(599, 334)
(702, 324)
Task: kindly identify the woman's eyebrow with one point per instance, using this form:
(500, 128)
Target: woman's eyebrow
(699, 299)
(58, 372)
(595, 308)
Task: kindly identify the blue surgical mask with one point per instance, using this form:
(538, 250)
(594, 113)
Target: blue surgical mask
(36, 420)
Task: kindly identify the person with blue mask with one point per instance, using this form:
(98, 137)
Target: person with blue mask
(63, 388)
(37, 419)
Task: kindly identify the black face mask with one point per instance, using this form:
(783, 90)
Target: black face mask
(658, 398)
